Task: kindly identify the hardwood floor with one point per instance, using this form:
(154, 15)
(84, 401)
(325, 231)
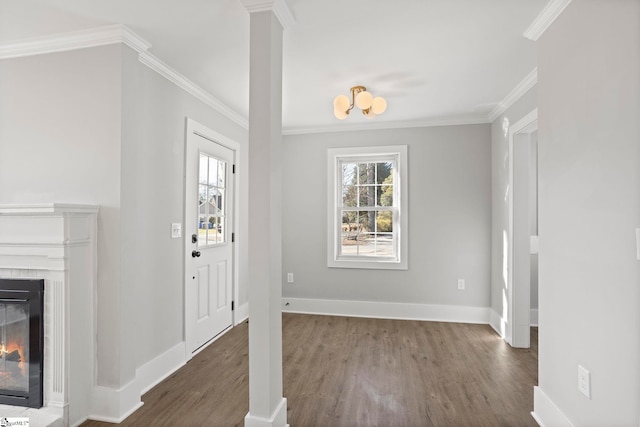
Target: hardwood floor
(341, 371)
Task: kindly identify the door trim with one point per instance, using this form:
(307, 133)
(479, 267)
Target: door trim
(195, 129)
(525, 126)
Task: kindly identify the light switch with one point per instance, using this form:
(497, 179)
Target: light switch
(176, 230)
(638, 243)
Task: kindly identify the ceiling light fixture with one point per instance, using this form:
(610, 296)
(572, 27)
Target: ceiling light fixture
(369, 105)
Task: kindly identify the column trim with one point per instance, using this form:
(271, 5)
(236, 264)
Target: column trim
(279, 8)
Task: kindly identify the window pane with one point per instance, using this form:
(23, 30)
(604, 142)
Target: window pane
(221, 201)
(386, 195)
(349, 218)
(203, 168)
(384, 221)
(368, 221)
(367, 246)
(202, 230)
(213, 171)
(349, 196)
(214, 201)
(383, 171)
(367, 173)
(211, 231)
(349, 174)
(350, 233)
(389, 179)
(202, 194)
(222, 176)
(367, 196)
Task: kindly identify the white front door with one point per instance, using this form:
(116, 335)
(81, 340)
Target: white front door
(209, 195)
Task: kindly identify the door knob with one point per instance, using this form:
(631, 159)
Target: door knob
(195, 254)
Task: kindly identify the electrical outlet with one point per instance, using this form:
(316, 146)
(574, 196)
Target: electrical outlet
(584, 381)
(289, 277)
(461, 284)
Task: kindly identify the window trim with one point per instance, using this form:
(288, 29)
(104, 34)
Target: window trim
(334, 192)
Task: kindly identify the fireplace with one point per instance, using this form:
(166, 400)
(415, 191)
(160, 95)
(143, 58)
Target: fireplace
(21, 342)
(55, 245)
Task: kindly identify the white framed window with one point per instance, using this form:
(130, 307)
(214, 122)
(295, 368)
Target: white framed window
(367, 207)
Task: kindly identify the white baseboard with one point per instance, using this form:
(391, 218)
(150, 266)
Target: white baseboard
(155, 371)
(387, 310)
(498, 323)
(241, 313)
(534, 317)
(545, 412)
(277, 419)
(113, 406)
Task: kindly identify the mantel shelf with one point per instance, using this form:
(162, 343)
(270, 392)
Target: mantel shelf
(47, 208)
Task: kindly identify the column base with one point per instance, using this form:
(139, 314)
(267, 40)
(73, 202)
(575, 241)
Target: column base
(277, 419)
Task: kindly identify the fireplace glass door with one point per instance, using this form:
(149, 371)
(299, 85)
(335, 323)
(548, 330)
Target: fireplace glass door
(21, 342)
(14, 346)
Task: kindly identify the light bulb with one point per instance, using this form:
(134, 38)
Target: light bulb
(340, 114)
(379, 105)
(364, 100)
(341, 102)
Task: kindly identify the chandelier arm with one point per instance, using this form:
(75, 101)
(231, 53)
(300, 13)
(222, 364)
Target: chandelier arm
(355, 90)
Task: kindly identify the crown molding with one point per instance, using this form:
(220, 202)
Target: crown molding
(190, 87)
(92, 37)
(345, 127)
(517, 92)
(551, 11)
(113, 34)
(279, 8)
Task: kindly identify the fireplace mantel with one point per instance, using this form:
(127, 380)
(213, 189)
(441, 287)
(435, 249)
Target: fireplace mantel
(57, 242)
(47, 209)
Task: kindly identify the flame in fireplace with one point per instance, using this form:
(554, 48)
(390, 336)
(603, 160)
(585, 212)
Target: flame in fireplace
(16, 351)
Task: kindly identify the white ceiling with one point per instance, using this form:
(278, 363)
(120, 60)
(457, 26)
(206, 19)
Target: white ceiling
(433, 60)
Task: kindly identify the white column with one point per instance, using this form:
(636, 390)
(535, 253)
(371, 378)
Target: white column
(267, 406)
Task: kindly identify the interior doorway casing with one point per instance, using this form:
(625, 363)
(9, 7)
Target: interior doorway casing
(517, 332)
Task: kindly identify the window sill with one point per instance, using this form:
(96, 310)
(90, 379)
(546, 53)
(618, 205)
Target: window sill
(368, 265)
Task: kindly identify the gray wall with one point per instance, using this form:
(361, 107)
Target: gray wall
(500, 202)
(60, 142)
(449, 218)
(589, 164)
(96, 126)
(153, 138)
